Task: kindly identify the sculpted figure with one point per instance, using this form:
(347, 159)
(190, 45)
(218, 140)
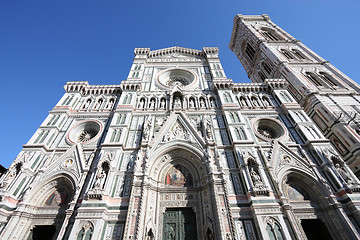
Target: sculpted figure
(255, 178)
(162, 104)
(100, 178)
(344, 175)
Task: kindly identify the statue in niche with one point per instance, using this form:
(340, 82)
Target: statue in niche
(87, 104)
(202, 103)
(9, 178)
(208, 128)
(162, 104)
(110, 103)
(243, 102)
(147, 127)
(344, 174)
(213, 103)
(152, 104)
(177, 102)
(255, 177)
(98, 104)
(100, 178)
(192, 103)
(255, 102)
(141, 103)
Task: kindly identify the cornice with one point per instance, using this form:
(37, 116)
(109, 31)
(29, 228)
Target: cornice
(85, 89)
(176, 49)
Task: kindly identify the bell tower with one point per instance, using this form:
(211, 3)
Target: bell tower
(328, 96)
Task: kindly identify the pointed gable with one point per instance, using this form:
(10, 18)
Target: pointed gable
(71, 162)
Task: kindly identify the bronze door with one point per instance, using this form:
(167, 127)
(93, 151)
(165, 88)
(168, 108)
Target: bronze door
(179, 224)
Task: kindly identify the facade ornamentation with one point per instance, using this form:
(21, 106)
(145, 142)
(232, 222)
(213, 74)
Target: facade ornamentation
(178, 150)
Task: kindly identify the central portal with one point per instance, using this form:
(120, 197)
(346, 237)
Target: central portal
(179, 224)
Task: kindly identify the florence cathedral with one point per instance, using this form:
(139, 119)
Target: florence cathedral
(179, 151)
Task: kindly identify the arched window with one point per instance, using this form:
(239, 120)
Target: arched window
(113, 135)
(232, 117)
(227, 97)
(262, 76)
(270, 35)
(236, 117)
(267, 68)
(298, 54)
(125, 99)
(249, 50)
(69, 101)
(285, 97)
(240, 133)
(65, 100)
(52, 119)
(287, 54)
(274, 231)
(328, 79)
(313, 79)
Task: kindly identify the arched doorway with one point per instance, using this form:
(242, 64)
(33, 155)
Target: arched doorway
(181, 200)
(51, 201)
(309, 203)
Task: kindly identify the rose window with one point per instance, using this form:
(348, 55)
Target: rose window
(177, 81)
(269, 129)
(84, 132)
(170, 78)
(267, 132)
(86, 135)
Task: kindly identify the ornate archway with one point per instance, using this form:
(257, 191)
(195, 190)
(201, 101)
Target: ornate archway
(178, 182)
(309, 202)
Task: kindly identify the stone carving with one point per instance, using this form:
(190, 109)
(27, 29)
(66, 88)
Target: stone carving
(159, 122)
(202, 103)
(152, 104)
(177, 102)
(255, 177)
(208, 128)
(141, 103)
(100, 178)
(10, 177)
(177, 132)
(213, 103)
(345, 176)
(147, 126)
(162, 104)
(191, 103)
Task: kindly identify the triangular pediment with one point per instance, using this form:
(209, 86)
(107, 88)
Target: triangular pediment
(72, 162)
(177, 128)
(285, 157)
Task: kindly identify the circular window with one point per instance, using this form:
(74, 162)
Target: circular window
(269, 129)
(84, 132)
(86, 135)
(176, 77)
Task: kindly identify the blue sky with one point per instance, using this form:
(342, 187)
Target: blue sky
(44, 44)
